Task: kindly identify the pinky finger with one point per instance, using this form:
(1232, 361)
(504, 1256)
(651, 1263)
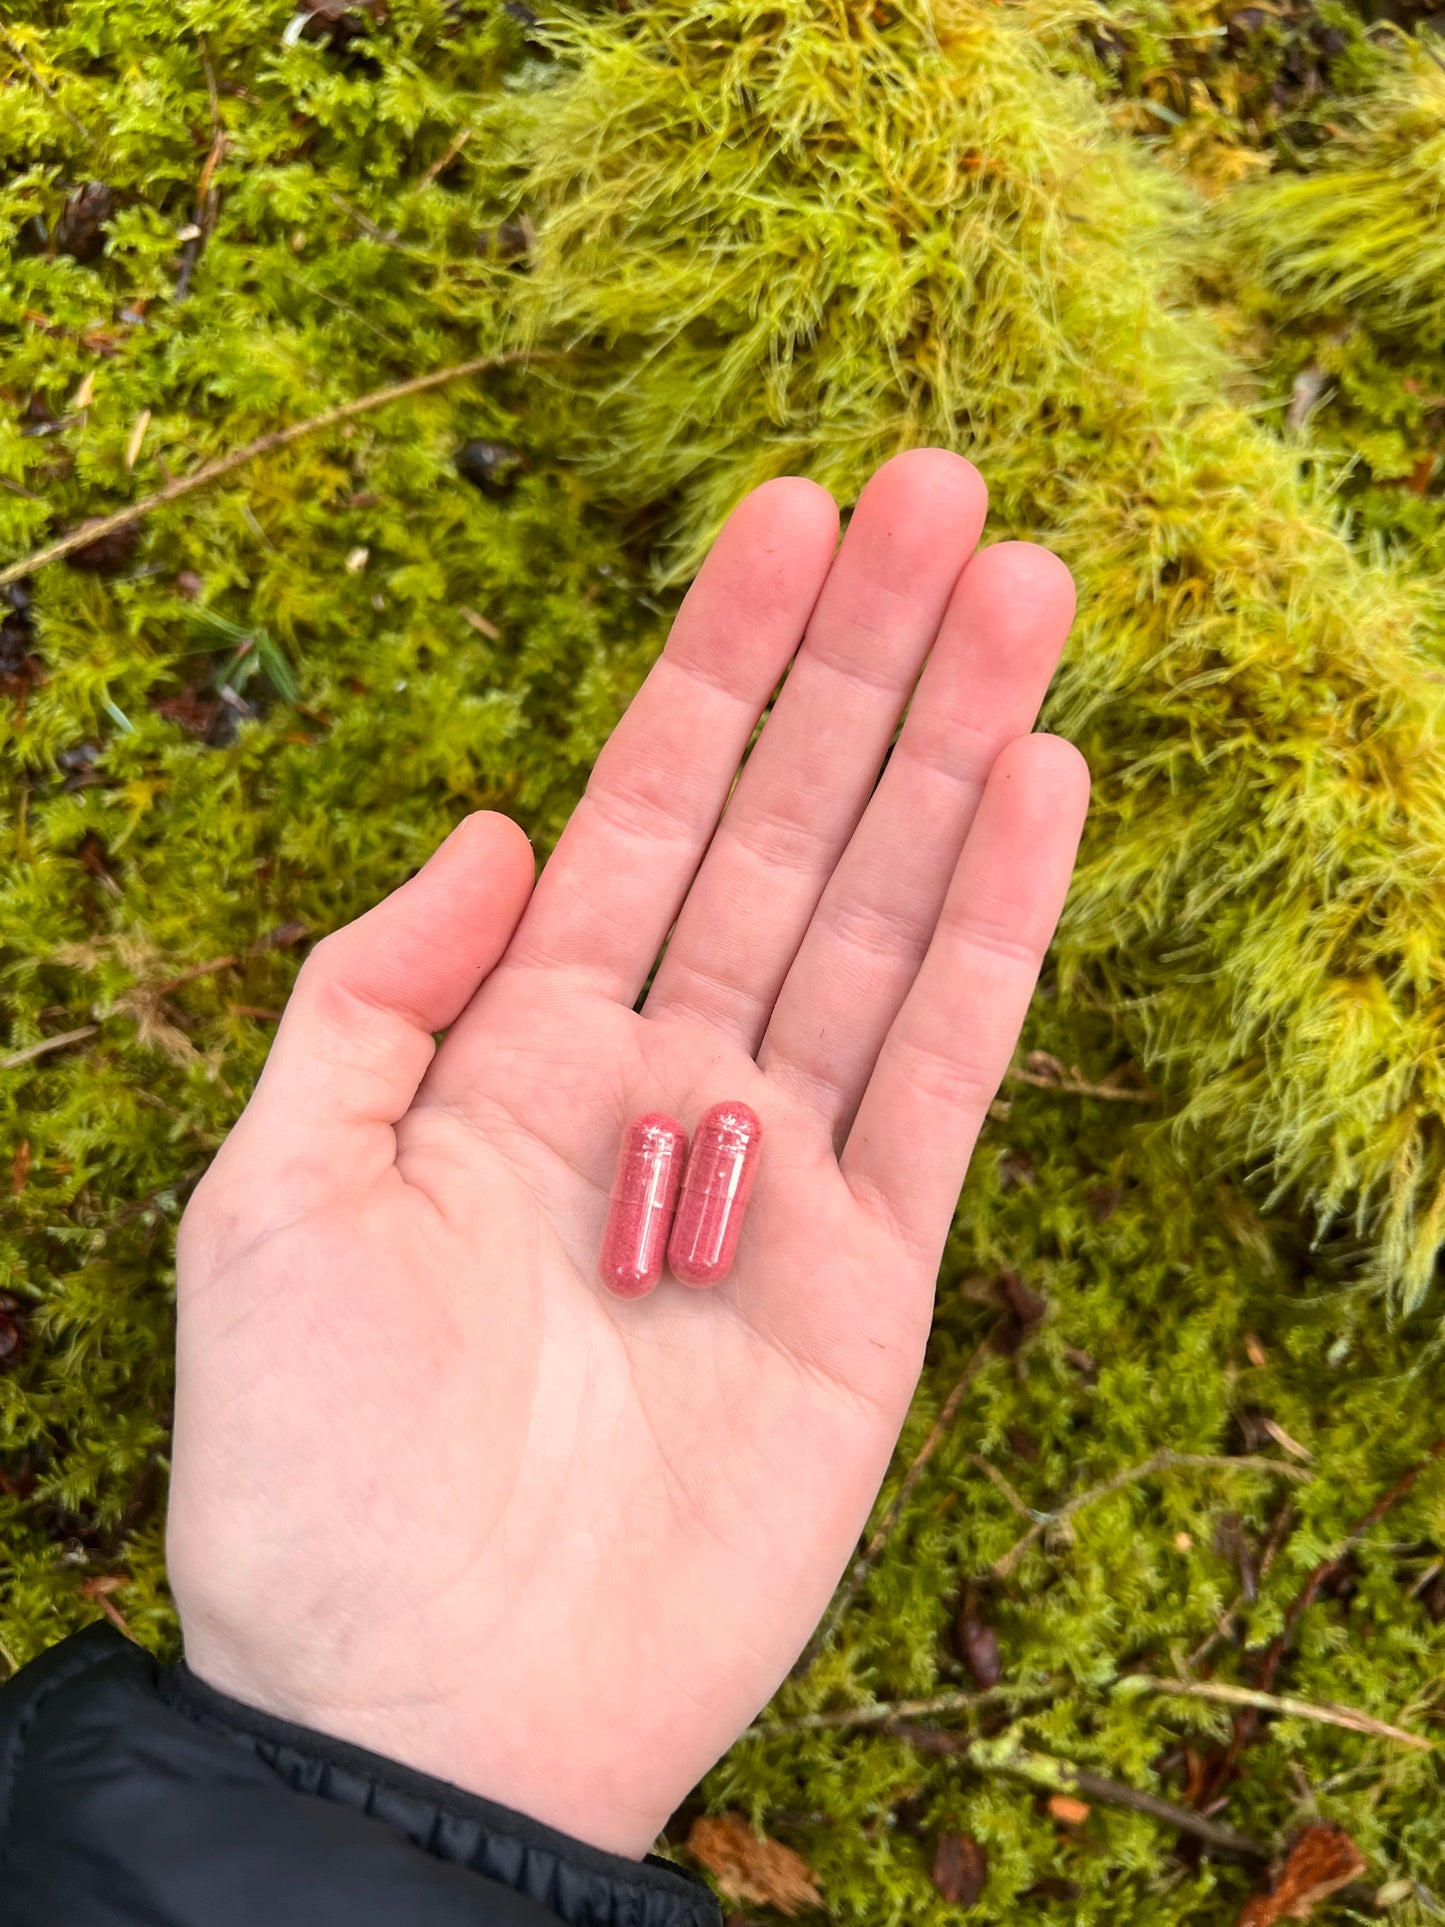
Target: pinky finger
(950, 1044)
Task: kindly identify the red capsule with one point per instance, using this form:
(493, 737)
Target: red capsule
(714, 1196)
(649, 1170)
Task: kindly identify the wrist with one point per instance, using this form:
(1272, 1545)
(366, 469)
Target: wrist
(516, 1771)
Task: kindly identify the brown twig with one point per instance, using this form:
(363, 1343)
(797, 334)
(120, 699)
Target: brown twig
(864, 1564)
(1159, 1462)
(995, 1477)
(208, 200)
(1328, 1568)
(345, 307)
(48, 91)
(195, 971)
(369, 228)
(267, 444)
(1223, 1693)
(1246, 1721)
(1279, 1531)
(443, 161)
(1049, 1074)
(99, 1590)
(846, 1718)
(46, 1045)
(1009, 1759)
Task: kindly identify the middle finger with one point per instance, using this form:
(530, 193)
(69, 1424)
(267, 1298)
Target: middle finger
(805, 786)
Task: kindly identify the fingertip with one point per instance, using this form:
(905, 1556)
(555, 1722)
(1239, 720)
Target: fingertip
(1033, 577)
(493, 833)
(1047, 776)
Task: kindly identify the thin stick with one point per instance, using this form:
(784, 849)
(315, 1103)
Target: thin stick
(1225, 1694)
(444, 161)
(207, 201)
(1020, 1506)
(1009, 1759)
(1076, 1087)
(369, 227)
(49, 92)
(862, 1566)
(1246, 1722)
(299, 281)
(210, 472)
(849, 1717)
(1160, 1462)
(1326, 1571)
(196, 970)
(46, 1045)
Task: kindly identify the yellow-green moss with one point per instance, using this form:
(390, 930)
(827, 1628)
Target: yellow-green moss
(767, 239)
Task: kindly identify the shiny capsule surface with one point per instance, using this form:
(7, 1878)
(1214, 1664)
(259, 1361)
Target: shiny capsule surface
(715, 1189)
(644, 1190)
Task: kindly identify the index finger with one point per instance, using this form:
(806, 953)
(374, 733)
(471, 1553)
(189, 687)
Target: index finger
(613, 886)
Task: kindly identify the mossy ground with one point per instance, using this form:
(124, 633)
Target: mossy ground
(760, 240)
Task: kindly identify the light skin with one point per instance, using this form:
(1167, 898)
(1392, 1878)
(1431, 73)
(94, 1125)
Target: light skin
(437, 1492)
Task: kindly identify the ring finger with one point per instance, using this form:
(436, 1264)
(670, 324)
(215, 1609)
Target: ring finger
(997, 649)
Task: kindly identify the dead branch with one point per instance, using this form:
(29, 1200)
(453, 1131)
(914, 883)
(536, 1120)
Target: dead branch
(1328, 1568)
(46, 1045)
(1223, 1693)
(210, 472)
(1159, 1462)
(1008, 1758)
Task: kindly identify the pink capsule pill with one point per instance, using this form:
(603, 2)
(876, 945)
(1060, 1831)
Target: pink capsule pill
(649, 1170)
(714, 1196)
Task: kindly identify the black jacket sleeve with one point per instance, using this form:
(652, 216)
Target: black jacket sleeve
(133, 1795)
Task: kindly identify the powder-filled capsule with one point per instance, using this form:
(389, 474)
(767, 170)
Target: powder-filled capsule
(649, 1170)
(714, 1196)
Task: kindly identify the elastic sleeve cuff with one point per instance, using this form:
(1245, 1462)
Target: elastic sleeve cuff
(132, 1794)
(584, 1885)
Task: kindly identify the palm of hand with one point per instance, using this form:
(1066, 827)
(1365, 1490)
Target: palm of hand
(438, 1492)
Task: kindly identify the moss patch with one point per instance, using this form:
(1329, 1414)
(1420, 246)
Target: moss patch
(746, 241)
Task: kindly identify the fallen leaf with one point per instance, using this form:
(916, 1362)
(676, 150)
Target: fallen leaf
(20, 1167)
(192, 712)
(1103, 1201)
(750, 1866)
(1320, 1862)
(137, 438)
(1258, 1356)
(99, 1590)
(1073, 1813)
(977, 1645)
(960, 1868)
(284, 935)
(1024, 1310)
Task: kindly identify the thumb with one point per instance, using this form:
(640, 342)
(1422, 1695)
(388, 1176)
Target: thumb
(356, 1036)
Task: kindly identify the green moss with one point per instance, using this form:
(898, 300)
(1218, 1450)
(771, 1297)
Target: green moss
(772, 239)
(1342, 263)
(919, 232)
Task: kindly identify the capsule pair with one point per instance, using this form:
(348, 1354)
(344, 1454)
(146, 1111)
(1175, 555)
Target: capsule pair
(692, 1216)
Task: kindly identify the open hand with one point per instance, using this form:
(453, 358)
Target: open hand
(436, 1491)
